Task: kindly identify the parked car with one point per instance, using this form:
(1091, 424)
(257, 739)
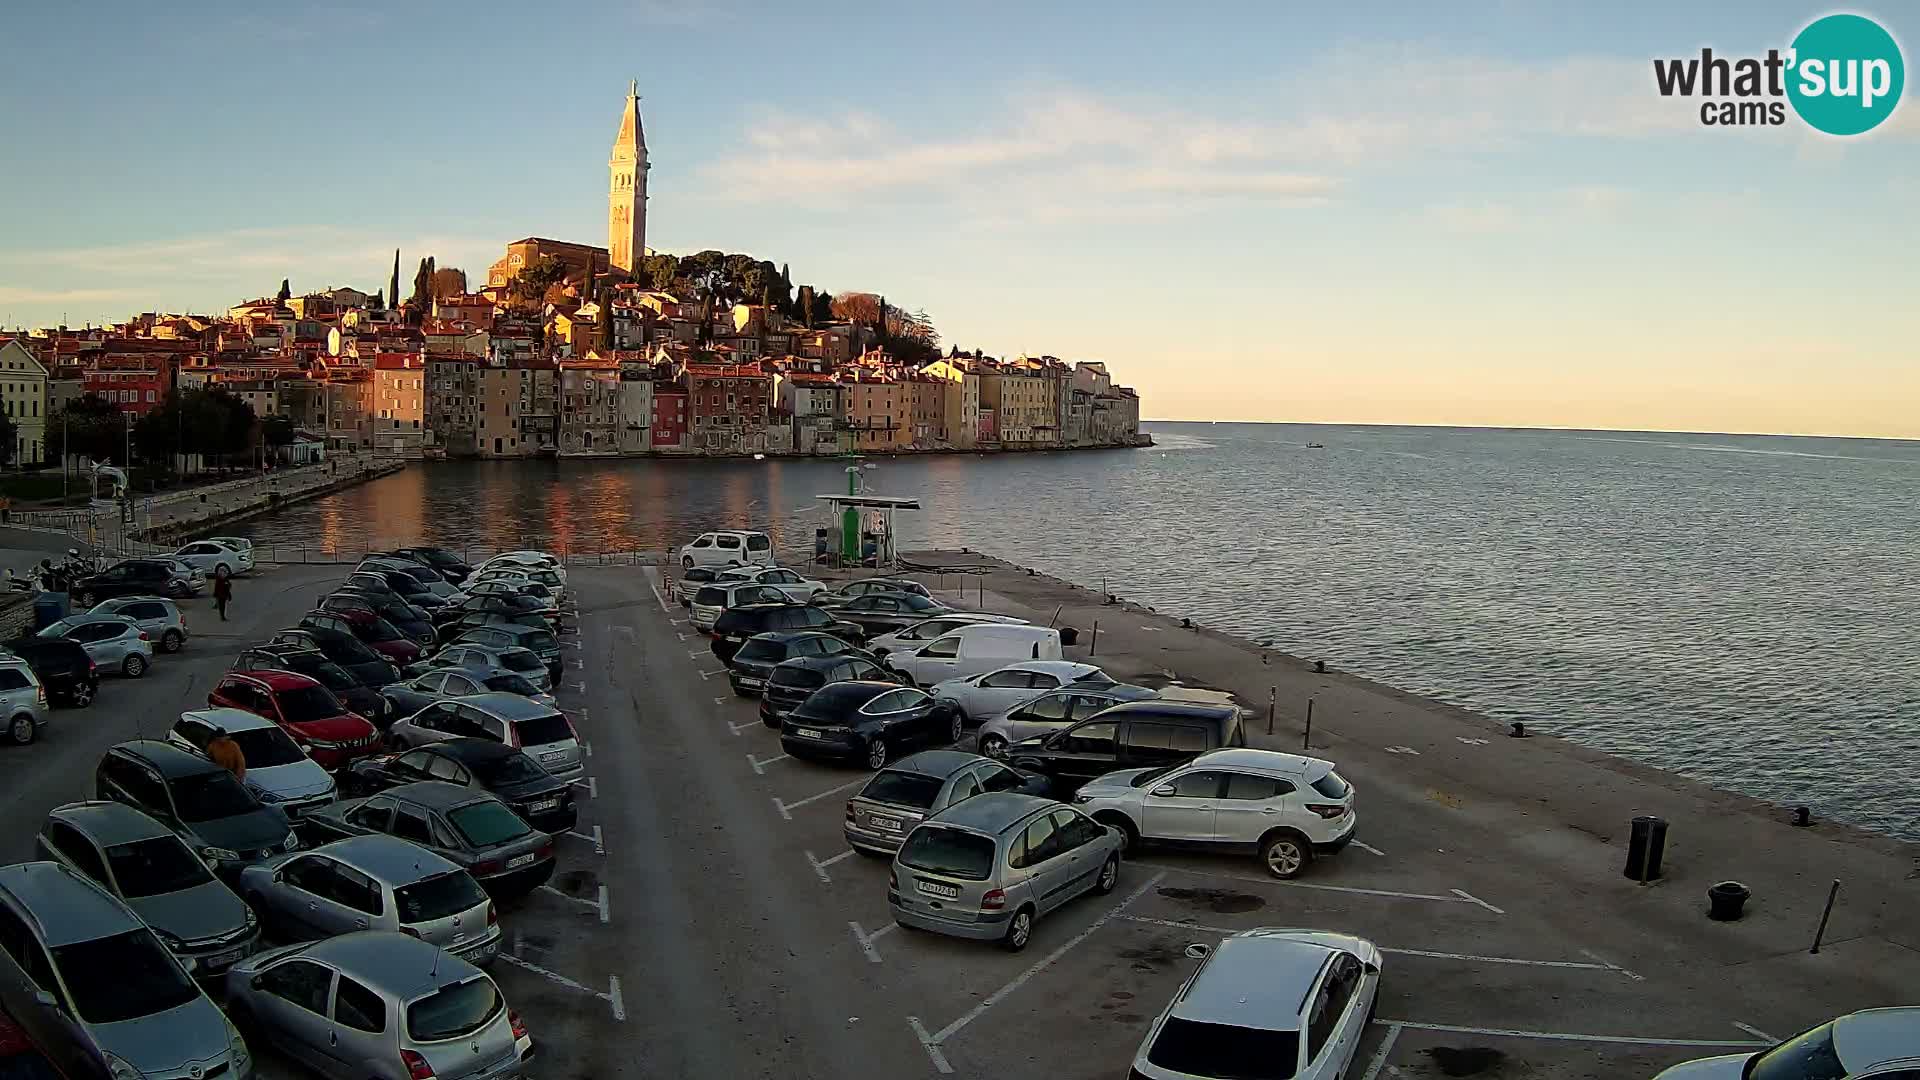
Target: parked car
(866, 722)
(369, 668)
(543, 731)
(477, 657)
(714, 599)
(908, 791)
(63, 667)
(494, 603)
(1295, 1001)
(23, 701)
(846, 591)
(989, 867)
(311, 662)
(749, 666)
(1871, 1043)
(379, 635)
(374, 882)
(798, 589)
(102, 987)
(279, 772)
(20, 1059)
(991, 692)
(440, 684)
(1053, 710)
(728, 548)
(1287, 809)
(472, 828)
(211, 557)
(430, 579)
(457, 627)
(737, 624)
(113, 642)
(792, 682)
(401, 584)
(157, 615)
(545, 801)
(691, 578)
(525, 560)
(1133, 735)
(145, 866)
(237, 543)
(552, 579)
(326, 729)
(912, 637)
(537, 640)
(185, 579)
(975, 650)
(380, 1005)
(448, 563)
(134, 577)
(223, 822)
(885, 613)
(496, 587)
(409, 620)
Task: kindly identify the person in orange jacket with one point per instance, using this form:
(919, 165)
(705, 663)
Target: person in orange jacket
(227, 754)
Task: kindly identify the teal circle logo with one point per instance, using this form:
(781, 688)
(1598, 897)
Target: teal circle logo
(1846, 74)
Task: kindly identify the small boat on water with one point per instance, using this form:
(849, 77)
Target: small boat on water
(1316, 446)
(759, 457)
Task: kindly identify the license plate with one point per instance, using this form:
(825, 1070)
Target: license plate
(733, 639)
(222, 959)
(884, 824)
(806, 733)
(934, 888)
(748, 680)
(520, 860)
(544, 804)
(553, 755)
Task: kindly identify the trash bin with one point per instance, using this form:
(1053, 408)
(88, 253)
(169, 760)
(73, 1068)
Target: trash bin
(1645, 845)
(820, 542)
(1725, 900)
(1069, 636)
(49, 608)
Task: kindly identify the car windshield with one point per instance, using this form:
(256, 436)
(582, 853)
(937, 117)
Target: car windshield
(541, 730)
(796, 676)
(211, 796)
(1150, 776)
(303, 704)
(1095, 678)
(152, 867)
(953, 852)
(758, 542)
(382, 630)
(515, 768)
(902, 789)
(1225, 1051)
(520, 660)
(346, 647)
(711, 596)
(122, 977)
(438, 897)
(454, 1011)
(916, 602)
(1809, 1056)
(265, 747)
(327, 674)
(758, 649)
(484, 824)
(540, 639)
(1332, 786)
(510, 683)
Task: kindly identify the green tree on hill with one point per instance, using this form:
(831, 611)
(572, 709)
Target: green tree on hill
(90, 426)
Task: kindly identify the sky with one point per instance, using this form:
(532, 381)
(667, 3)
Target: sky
(1379, 213)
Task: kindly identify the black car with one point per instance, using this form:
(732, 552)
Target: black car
(311, 662)
(867, 721)
(451, 630)
(867, 586)
(883, 612)
(735, 625)
(503, 604)
(63, 668)
(695, 576)
(791, 682)
(513, 777)
(219, 818)
(134, 577)
(748, 667)
(401, 584)
(1138, 734)
(402, 616)
(505, 854)
(449, 564)
(369, 667)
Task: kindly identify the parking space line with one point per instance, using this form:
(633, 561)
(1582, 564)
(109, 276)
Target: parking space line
(614, 999)
(612, 996)
(695, 654)
(605, 915)
(581, 900)
(932, 1048)
(760, 767)
(592, 786)
(1460, 898)
(711, 674)
(786, 808)
(1472, 899)
(599, 845)
(663, 600)
(866, 940)
(1604, 962)
(1364, 846)
(820, 866)
(1430, 954)
(745, 724)
(1564, 1036)
(1755, 1032)
(719, 701)
(1380, 1056)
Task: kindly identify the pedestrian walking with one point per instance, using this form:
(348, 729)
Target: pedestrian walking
(226, 753)
(222, 591)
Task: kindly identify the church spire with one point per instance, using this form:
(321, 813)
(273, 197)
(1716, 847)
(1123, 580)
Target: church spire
(627, 188)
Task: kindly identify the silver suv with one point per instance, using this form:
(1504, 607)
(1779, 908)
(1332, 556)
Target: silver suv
(157, 615)
(23, 701)
(543, 731)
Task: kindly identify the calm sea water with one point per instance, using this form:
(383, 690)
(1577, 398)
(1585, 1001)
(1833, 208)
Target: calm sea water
(1741, 609)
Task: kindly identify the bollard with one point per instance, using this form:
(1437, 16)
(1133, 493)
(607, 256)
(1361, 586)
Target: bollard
(1517, 731)
(1306, 737)
(1725, 900)
(1802, 817)
(1646, 843)
(1827, 911)
(1093, 647)
(1271, 691)
(1320, 666)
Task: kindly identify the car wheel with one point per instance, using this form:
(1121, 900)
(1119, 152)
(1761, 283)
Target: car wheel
(1019, 930)
(1129, 836)
(171, 641)
(956, 729)
(686, 562)
(993, 746)
(1285, 855)
(134, 665)
(81, 696)
(1109, 876)
(877, 753)
(21, 729)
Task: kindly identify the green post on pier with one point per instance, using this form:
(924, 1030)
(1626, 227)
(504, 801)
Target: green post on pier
(850, 518)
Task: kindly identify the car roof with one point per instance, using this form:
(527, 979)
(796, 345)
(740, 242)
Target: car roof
(1871, 1036)
(399, 964)
(109, 822)
(389, 858)
(435, 794)
(936, 763)
(1268, 761)
(993, 812)
(280, 680)
(67, 907)
(231, 719)
(849, 693)
(471, 751)
(1154, 707)
(82, 617)
(815, 663)
(118, 601)
(1067, 670)
(507, 706)
(1257, 979)
(168, 758)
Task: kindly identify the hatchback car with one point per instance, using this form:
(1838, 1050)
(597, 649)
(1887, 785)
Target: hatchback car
(460, 621)
(440, 684)
(223, 822)
(366, 666)
(1136, 734)
(279, 773)
(545, 801)
(301, 660)
(409, 620)
(447, 563)
(63, 667)
(552, 579)
(113, 642)
(374, 882)
(980, 696)
(798, 589)
(537, 640)
(864, 586)
(134, 577)
(991, 866)
(380, 1005)
(543, 731)
(903, 794)
(327, 730)
(1871, 1043)
(399, 587)
(157, 615)
(1285, 808)
(477, 657)
(1054, 710)
(379, 635)
(690, 581)
(748, 668)
(885, 613)
(472, 828)
(89, 982)
(1270, 1003)
(152, 871)
(737, 624)
(23, 701)
(434, 582)
(714, 599)
(213, 557)
(866, 721)
(792, 682)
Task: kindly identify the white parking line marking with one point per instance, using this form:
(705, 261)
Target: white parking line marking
(1469, 742)
(614, 999)
(575, 664)
(760, 767)
(786, 807)
(932, 1048)
(1380, 1056)
(1472, 899)
(577, 687)
(599, 847)
(1364, 846)
(1462, 898)
(611, 997)
(1467, 957)
(1403, 750)
(604, 915)
(745, 724)
(1755, 1032)
(1604, 962)
(662, 599)
(695, 654)
(584, 902)
(1563, 1036)
(678, 622)
(592, 786)
(866, 940)
(680, 635)
(711, 674)
(719, 701)
(820, 867)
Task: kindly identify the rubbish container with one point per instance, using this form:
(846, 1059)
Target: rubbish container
(49, 608)
(1069, 636)
(820, 542)
(1725, 900)
(1645, 845)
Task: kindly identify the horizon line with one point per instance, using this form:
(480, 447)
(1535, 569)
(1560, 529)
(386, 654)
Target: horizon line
(1537, 427)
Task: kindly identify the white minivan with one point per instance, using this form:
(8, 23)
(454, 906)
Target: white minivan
(727, 549)
(971, 650)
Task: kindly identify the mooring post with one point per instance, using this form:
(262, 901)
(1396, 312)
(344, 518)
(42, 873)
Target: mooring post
(1827, 911)
(1306, 737)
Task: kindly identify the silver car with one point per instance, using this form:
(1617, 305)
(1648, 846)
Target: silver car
(1055, 710)
(157, 615)
(714, 599)
(113, 642)
(542, 731)
(991, 866)
(279, 773)
(89, 983)
(904, 793)
(375, 882)
(153, 872)
(522, 662)
(381, 1005)
(23, 701)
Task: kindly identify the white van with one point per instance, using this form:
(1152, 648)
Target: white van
(971, 650)
(727, 549)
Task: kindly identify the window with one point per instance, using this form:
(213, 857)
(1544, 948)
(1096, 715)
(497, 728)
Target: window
(412, 825)
(440, 768)
(302, 982)
(1197, 785)
(1007, 679)
(76, 849)
(1037, 844)
(965, 788)
(1332, 786)
(893, 701)
(372, 814)
(140, 785)
(1076, 829)
(997, 778)
(1094, 738)
(945, 647)
(155, 866)
(1331, 1003)
(359, 1008)
(948, 852)
(1257, 788)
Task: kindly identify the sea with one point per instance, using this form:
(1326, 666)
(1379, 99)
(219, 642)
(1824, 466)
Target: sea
(1744, 610)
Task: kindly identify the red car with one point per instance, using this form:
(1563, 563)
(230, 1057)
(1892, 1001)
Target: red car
(379, 635)
(328, 731)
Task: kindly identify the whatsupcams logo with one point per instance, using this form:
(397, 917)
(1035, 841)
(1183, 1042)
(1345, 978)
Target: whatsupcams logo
(1843, 75)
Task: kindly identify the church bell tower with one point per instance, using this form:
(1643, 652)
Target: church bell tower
(627, 190)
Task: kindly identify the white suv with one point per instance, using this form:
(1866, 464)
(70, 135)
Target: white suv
(727, 549)
(1285, 807)
(800, 590)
